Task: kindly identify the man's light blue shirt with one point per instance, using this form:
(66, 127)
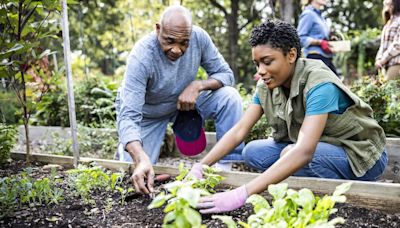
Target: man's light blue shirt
(312, 25)
(152, 82)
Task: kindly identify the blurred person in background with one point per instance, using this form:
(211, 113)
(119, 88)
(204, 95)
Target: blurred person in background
(388, 56)
(314, 33)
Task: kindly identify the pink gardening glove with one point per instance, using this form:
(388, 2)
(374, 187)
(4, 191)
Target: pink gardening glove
(223, 201)
(325, 46)
(197, 170)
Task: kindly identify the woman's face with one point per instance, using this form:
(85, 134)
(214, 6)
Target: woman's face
(320, 2)
(273, 67)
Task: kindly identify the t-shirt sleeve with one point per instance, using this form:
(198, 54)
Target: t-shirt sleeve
(256, 99)
(322, 98)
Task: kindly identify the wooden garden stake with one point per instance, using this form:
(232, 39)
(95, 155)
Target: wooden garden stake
(71, 99)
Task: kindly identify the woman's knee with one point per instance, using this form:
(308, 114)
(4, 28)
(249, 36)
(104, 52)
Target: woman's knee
(249, 152)
(260, 154)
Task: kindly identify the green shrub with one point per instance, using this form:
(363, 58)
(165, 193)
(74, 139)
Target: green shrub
(9, 107)
(95, 143)
(384, 98)
(94, 104)
(8, 137)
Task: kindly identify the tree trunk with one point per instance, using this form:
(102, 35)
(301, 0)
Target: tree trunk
(286, 10)
(233, 29)
(26, 119)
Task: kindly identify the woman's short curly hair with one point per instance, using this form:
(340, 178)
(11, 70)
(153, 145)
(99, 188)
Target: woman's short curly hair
(277, 34)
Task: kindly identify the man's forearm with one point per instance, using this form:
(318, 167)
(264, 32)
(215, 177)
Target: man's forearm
(209, 84)
(136, 151)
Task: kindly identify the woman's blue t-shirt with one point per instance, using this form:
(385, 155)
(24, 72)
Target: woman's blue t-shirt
(323, 98)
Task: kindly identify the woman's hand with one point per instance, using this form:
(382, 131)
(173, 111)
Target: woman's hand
(223, 201)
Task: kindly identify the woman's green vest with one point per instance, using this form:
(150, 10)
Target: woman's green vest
(355, 130)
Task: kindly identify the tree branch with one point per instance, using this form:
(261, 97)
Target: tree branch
(219, 6)
(8, 19)
(41, 23)
(249, 20)
(27, 17)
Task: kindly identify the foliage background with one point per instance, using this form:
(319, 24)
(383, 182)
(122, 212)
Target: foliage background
(103, 32)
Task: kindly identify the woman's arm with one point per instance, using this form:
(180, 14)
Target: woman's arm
(234, 136)
(293, 157)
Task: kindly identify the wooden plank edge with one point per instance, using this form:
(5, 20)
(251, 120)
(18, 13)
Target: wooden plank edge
(376, 195)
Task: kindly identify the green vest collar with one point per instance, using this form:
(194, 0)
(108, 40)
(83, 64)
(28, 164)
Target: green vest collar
(297, 78)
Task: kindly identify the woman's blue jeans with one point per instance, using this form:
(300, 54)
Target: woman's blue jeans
(329, 161)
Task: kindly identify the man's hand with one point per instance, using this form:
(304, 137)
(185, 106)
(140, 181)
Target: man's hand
(196, 170)
(187, 99)
(223, 201)
(143, 177)
(325, 46)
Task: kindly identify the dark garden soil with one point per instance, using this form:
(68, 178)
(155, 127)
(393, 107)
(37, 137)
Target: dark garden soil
(72, 212)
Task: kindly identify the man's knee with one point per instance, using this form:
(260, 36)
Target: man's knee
(229, 95)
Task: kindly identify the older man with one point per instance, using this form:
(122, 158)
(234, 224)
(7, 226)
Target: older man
(160, 81)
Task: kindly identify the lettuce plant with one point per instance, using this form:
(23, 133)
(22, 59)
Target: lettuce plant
(292, 208)
(182, 197)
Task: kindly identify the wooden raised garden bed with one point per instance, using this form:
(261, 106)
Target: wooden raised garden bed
(369, 204)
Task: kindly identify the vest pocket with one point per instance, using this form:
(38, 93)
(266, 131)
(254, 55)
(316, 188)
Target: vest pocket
(341, 126)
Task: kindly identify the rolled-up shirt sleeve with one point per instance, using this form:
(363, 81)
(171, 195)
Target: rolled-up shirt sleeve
(213, 62)
(132, 100)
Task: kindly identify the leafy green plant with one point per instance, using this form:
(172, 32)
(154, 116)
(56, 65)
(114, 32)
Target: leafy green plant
(292, 208)
(384, 99)
(182, 197)
(95, 143)
(84, 180)
(124, 192)
(21, 189)
(8, 137)
(23, 60)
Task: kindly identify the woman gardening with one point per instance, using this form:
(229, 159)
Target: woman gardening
(320, 128)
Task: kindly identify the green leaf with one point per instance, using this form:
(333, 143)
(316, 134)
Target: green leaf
(13, 50)
(306, 199)
(47, 52)
(170, 217)
(193, 216)
(229, 222)
(258, 202)
(181, 221)
(72, 2)
(192, 196)
(278, 191)
(341, 189)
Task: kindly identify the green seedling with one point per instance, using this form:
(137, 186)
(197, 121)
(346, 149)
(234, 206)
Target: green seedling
(19, 190)
(124, 192)
(84, 180)
(108, 205)
(292, 209)
(182, 196)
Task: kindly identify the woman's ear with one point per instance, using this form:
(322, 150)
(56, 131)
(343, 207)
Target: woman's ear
(292, 55)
